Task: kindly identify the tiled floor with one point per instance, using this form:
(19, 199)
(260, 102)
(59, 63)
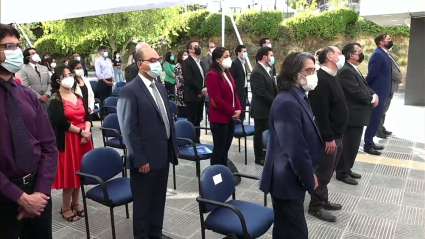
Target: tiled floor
(388, 203)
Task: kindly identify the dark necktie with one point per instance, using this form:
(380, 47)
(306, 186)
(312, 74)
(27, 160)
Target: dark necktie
(18, 130)
(36, 70)
(307, 102)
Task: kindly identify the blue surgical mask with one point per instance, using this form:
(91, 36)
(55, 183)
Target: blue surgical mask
(14, 60)
(341, 61)
(271, 62)
(245, 55)
(156, 69)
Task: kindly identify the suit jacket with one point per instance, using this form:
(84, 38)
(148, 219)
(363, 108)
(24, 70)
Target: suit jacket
(239, 76)
(294, 148)
(207, 60)
(379, 73)
(221, 98)
(132, 71)
(193, 80)
(39, 84)
(142, 126)
(358, 95)
(396, 75)
(263, 90)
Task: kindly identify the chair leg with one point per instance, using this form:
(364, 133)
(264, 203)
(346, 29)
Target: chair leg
(86, 218)
(206, 124)
(126, 211)
(114, 236)
(174, 177)
(198, 174)
(203, 232)
(239, 144)
(246, 152)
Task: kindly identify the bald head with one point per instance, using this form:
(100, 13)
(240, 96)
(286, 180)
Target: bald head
(328, 53)
(142, 45)
(146, 54)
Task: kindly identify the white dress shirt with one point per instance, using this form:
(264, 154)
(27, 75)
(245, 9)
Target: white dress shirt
(198, 62)
(148, 85)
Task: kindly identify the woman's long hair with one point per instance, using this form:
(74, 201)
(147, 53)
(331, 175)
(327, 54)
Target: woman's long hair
(57, 76)
(180, 57)
(215, 65)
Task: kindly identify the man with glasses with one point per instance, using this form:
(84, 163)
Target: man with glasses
(28, 156)
(207, 59)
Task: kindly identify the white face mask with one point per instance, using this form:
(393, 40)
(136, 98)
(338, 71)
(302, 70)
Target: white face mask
(269, 45)
(227, 63)
(117, 55)
(309, 83)
(184, 58)
(78, 58)
(341, 61)
(36, 57)
(68, 82)
(105, 54)
(212, 49)
(53, 65)
(79, 72)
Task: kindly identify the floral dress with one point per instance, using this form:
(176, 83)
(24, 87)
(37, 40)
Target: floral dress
(179, 95)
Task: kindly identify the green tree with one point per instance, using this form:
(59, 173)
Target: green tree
(114, 30)
(305, 5)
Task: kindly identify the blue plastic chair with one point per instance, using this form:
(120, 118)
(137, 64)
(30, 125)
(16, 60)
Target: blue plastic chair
(116, 91)
(175, 111)
(111, 136)
(120, 84)
(244, 219)
(243, 131)
(98, 168)
(186, 136)
(110, 105)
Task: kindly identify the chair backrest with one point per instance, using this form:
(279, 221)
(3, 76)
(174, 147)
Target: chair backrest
(265, 138)
(111, 101)
(117, 90)
(120, 84)
(218, 184)
(173, 107)
(111, 121)
(103, 162)
(93, 84)
(184, 129)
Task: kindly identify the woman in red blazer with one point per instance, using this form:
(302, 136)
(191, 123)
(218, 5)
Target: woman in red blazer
(224, 104)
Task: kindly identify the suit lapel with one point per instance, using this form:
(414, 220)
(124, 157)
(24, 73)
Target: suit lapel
(357, 72)
(147, 93)
(32, 70)
(308, 110)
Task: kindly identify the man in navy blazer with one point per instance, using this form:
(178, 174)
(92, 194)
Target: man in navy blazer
(294, 148)
(147, 127)
(379, 80)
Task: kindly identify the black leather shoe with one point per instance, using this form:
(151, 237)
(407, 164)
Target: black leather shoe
(385, 131)
(323, 215)
(355, 175)
(261, 162)
(381, 135)
(348, 180)
(378, 146)
(332, 206)
(372, 152)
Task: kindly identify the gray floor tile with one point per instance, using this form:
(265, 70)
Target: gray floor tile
(381, 194)
(388, 182)
(414, 200)
(392, 171)
(320, 231)
(343, 218)
(349, 203)
(377, 209)
(340, 187)
(417, 174)
(409, 232)
(349, 235)
(364, 167)
(373, 227)
(412, 216)
(415, 186)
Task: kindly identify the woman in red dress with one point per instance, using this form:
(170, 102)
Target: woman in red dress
(70, 122)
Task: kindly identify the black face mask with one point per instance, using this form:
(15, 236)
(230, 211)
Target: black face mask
(389, 45)
(198, 51)
(361, 58)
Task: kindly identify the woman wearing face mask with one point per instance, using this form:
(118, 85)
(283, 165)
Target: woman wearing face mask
(224, 103)
(71, 124)
(117, 64)
(83, 87)
(178, 73)
(170, 78)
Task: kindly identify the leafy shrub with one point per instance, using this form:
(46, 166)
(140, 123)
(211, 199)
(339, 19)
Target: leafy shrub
(259, 23)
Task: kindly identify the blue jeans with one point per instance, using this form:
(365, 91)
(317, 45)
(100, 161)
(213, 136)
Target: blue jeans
(118, 75)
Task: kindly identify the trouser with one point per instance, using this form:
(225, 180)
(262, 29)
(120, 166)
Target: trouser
(289, 219)
(374, 123)
(171, 90)
(387, 106)
(324, 173)
(149, 195)
(39, 227)
(195, 111)
(118, 75)
(222, 138)
(350, 144)
(243, 99)
(104, 92)
(260, 125)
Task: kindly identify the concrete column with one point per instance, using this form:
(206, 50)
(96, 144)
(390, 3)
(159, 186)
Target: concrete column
(415, 79)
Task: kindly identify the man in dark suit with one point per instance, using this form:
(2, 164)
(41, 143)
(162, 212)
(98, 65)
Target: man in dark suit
(263, 90)
(360, 99)
(294, 148)
(397, 78)
(147, 127)
(265, 42)
(379, 80)
(207, 59)
(240, 76)
(194, 72)
(132, 70)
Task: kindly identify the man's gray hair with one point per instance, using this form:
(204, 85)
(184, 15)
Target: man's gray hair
(141, 45)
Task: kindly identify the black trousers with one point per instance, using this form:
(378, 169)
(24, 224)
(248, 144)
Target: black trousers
(350, 144)
(289, 219)
(222, 138)
(149, 194)
(243, 99)
(171, 89)
(386, 107)
(29, 228)
(260, 125)
(195, 113)
(324, 174)
(104, 92)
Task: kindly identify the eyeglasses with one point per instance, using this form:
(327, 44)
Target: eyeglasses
(10, 46)
(310, 71)
(153, 60)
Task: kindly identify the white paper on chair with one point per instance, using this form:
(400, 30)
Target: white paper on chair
(217, 179)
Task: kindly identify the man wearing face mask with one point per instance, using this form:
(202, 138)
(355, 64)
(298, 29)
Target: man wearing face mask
(360, 100)
(240, 76)
(328, 104)
(77, 57)
(105, 75)
(263, 90)
(28, 156)
(194, 82)
(207, 59)
(36, 76)
(379, 80)
(147, 127)
(265, 42)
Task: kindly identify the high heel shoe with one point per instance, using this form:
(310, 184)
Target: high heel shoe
(81, 213)
(72, 218)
